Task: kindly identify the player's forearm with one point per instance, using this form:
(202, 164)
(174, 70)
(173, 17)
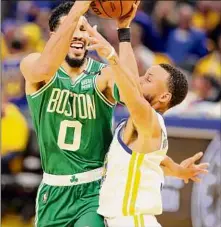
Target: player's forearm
(127, 57)
(167, 172)
(170, 167)
(139, 109)
(57, 47)
(124, 79)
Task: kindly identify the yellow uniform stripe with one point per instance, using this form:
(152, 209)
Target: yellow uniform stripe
(136, 184)
(132, 164)
(136, 223)
(142, 220)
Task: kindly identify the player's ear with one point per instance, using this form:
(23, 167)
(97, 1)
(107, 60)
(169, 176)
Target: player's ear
(165, 97)
(52, 33)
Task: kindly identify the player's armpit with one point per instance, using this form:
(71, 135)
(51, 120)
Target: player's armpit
(104, 83)
(116, 95)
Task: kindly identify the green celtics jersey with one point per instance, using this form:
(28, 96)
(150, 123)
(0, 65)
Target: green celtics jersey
(73, 122)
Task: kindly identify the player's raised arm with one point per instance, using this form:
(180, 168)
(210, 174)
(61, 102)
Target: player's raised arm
(126, 53)
(38, 67)
(140, 110)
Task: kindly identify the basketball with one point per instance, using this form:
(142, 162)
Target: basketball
(111, 9)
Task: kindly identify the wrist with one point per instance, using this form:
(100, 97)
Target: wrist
(124, 35)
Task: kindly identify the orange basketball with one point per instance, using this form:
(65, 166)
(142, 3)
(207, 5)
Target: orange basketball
(111, 9)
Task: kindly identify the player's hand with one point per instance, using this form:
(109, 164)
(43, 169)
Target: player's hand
(82, 6)
(125, 21)
(97, 41)
(190, 170)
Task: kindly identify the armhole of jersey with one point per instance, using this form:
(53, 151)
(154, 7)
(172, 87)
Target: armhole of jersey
(119, 125)
(101, 95)
(115, 93)
(164, 143)
(44, 88)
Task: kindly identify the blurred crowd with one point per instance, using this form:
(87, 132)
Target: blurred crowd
(183, 33)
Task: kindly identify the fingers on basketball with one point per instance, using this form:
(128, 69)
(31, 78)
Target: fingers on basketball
(136, 4)
(133, 11)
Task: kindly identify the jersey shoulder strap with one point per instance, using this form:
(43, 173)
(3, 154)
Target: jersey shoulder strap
(120, 125)
(96, 67)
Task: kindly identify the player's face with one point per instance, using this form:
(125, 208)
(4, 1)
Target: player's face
(77, 51)
(154, 85)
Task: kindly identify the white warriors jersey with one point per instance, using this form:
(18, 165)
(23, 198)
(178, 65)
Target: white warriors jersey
(133, 181)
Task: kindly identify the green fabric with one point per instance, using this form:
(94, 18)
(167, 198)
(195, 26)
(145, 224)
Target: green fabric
(116, 95)
(91, 219)
(73, 122)
(70, 206)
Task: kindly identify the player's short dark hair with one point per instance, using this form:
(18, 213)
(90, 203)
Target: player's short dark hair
(177, 84)
(62, 10)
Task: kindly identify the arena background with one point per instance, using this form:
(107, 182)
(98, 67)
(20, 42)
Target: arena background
(186, 34)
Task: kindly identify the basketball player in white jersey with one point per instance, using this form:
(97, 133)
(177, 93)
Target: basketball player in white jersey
(131, 192)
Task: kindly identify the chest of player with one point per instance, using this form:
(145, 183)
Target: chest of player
(74, 99)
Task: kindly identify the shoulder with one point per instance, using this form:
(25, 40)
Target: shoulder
(103, 77)
(96, 66)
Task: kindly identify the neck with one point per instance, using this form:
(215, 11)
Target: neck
(159, 108)
(74, 72)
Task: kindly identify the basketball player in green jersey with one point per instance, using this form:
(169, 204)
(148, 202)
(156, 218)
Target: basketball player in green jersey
(71, 106)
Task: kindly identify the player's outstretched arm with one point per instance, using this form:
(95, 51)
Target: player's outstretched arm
(38, 67)
(186, 170)
(126, 53)
(140, 110)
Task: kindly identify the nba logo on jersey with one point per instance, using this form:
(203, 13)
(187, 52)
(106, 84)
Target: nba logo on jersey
(45, 197)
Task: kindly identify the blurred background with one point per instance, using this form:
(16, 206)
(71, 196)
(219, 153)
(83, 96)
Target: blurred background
(186, 34)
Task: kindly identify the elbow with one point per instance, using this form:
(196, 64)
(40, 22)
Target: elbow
(35, 71)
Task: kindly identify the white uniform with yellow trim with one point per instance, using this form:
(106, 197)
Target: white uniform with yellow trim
(130, 195)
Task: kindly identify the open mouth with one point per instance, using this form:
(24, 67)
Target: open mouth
(78, 45)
